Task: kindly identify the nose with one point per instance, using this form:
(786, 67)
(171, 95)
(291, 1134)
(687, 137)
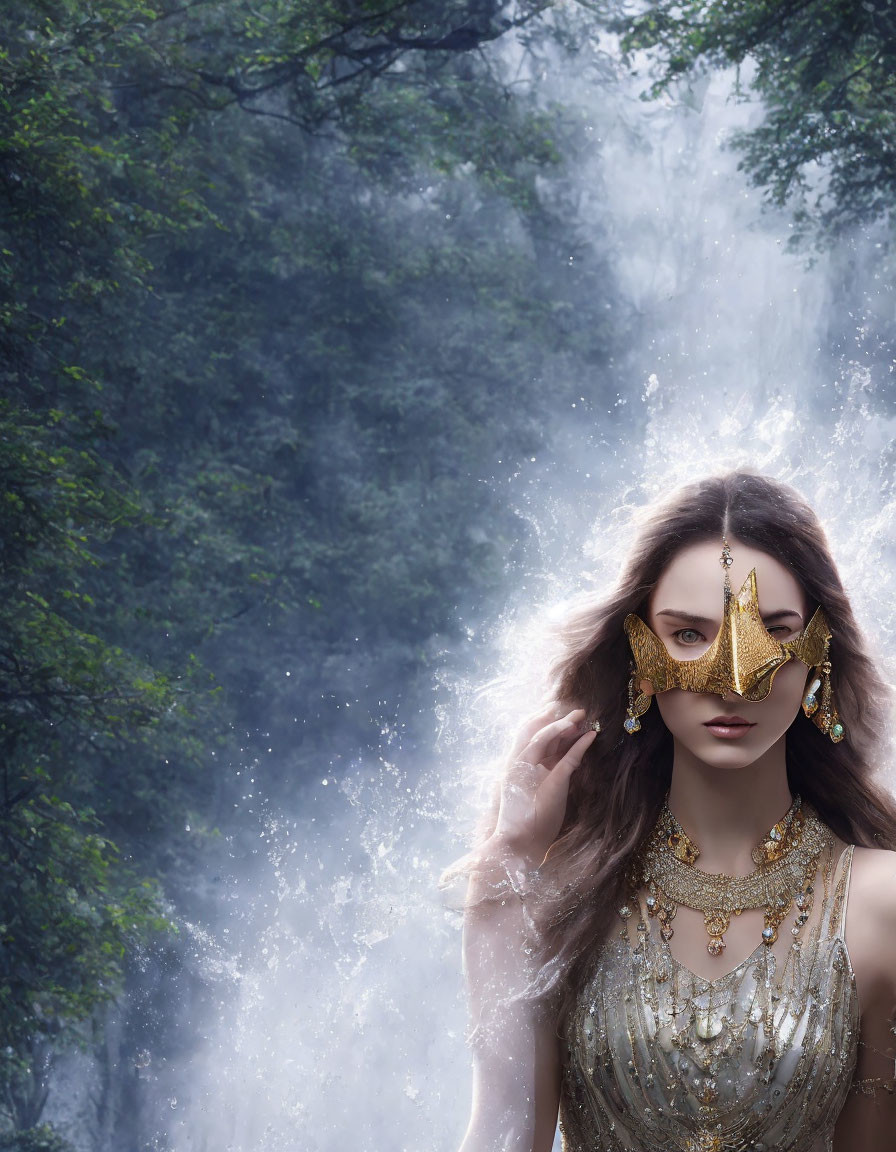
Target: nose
(728, 696)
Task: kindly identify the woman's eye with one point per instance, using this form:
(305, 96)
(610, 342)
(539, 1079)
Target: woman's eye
(688, 636)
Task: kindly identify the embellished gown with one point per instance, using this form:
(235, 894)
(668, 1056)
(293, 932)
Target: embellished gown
(761, 1059)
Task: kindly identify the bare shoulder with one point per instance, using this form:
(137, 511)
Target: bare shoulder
(873, 883)
(871, 925)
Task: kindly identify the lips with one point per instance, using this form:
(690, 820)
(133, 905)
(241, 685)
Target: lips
(728, 727)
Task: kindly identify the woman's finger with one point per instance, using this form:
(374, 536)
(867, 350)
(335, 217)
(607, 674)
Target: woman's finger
(556, 784)
(550, 734)
(573, 758)
(534, 724)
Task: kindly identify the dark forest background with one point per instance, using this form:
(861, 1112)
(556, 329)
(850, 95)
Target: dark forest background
(280, 283)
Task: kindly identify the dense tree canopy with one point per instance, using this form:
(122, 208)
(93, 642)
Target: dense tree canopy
(278, 290)
(826, 73)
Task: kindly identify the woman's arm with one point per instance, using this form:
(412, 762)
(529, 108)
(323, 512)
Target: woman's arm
(868, 1119)
(516, 1067)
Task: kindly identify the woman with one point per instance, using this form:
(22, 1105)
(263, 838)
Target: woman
(719, 707)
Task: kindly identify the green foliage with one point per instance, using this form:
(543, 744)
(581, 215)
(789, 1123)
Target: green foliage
(40, 1139)
(62, 505)
(69, 916)
(280, 293)
(826, 73)
(70, 911)
(83, 192)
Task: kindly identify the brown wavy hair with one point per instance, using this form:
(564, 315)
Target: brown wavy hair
(615, 797)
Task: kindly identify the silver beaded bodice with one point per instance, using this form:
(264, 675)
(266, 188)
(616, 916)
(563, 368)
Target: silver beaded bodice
(759, 1060)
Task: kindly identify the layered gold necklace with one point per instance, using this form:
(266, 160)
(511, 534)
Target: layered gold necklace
(786, 862)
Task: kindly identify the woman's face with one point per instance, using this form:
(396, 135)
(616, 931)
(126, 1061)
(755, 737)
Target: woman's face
(685, 612)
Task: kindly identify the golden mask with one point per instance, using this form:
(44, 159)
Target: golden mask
(743, 658)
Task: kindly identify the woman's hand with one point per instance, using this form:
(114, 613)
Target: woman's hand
(516, 1056)
(535, 785)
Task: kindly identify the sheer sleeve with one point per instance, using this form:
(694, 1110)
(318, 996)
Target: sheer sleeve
(511, 1035)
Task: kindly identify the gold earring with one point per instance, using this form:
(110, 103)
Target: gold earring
(637, 706)
(822, 712)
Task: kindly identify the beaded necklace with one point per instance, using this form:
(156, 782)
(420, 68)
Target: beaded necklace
(786, 862)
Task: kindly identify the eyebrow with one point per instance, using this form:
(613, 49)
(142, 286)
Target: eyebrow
(689, 618)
